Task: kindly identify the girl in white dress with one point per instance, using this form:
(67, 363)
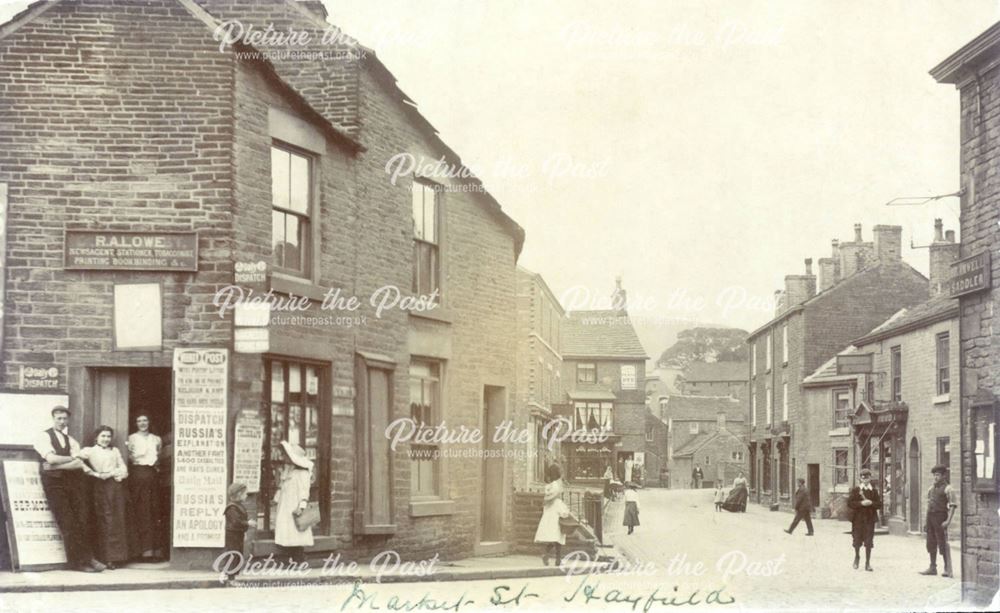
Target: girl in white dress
(553, 508)
(108, 498)
(293, 498)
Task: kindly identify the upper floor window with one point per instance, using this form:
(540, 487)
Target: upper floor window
(769, 399)
(784, 344)
(753, 409)
(628, 377)
(943, 358)
(291, 196)
(897, 373)
(767, 352)
(593, 415)
(649, 434)
(784, 402)
(586, 373)
(841, 408)
(753, 358)
(693, 427)
(426, 239)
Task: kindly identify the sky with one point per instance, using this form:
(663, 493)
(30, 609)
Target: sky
(701, 150)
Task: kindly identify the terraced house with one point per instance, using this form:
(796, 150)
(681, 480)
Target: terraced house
(148, 166)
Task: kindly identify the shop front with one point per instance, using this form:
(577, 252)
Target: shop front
(880, 446)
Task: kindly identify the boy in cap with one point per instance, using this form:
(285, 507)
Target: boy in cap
(940, 509)
(865, 502)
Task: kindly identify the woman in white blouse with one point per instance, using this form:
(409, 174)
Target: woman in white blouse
(108, 495)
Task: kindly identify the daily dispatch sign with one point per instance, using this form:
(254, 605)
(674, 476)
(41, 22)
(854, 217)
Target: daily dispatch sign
(200, 401)
(112, 250)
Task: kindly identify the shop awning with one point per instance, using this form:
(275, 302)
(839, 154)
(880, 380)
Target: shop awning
(591, 395)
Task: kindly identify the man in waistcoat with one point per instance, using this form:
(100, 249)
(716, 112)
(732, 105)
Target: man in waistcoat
(941, 507)
(63, 479)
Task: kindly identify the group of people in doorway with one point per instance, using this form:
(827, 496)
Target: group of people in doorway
(107, 508)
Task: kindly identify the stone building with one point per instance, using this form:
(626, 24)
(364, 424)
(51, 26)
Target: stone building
(149, 166)
(603, 381)
(869, 283)
(975, 71)
(715, 379)
(890, 407)
(693, 423)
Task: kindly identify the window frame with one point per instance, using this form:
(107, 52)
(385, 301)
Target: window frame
(942, 344)
(784, 344)
(834, 397)
(581, 367)
(769, 405)
(436, 377)
(753, 409)
(896, 372)
(784, 401)
(767, 352)
(589, 407)
(421, 243)
(308, 230)
(841, 470)
(984, 413)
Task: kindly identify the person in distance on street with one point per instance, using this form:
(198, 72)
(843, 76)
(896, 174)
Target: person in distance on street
(803, 508)
(865, 502)
(631, 519)
(941, 507)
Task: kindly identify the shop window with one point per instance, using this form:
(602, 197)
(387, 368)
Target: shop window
(291, 209)
(586, 373)
(426, 238)
(425, 410)
(984, 447)
(943, 358)
(373, 497)
(840, 468)
(298, 414)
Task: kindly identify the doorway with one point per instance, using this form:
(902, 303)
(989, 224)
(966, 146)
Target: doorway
(812, 475)
(492, 496)
(120, 395)
(914, 490)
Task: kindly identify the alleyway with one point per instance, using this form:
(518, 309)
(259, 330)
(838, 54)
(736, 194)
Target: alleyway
(794, 572)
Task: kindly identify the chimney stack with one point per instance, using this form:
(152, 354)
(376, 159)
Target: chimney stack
(857, 233)
(829, 268)
(799, 288)
(888, 243)
(943, 252)
(720, 420)
(316, 7)
(779, 302)
(619, 298)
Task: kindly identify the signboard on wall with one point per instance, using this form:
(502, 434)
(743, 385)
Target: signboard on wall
(971, 275)
(117, 250)
(32, 533)
(247, 450)
(855, 364)
(200, 407)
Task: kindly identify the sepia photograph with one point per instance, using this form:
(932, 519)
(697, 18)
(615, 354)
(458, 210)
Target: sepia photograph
(499, 305)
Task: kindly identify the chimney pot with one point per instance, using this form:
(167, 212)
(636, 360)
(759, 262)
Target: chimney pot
(949, 236)
(938, 227)
(857, 233)
(809, 265)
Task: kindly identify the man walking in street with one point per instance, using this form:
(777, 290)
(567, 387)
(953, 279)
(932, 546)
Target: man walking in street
(941, 507)
(865, 502)
(696, 477)
(63, 479)
(803, 508)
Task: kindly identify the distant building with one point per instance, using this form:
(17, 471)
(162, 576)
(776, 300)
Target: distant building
(603, 376)
(715, 379)
(863, 285)
(693, 422)
(975, 71)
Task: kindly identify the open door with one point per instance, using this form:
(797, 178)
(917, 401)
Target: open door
(492, 497)
(813, 482)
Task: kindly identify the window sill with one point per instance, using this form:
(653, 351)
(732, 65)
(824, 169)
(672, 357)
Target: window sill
(941, 399)
(289, 285)
(438, 313)
(428, 508)
(843, 431)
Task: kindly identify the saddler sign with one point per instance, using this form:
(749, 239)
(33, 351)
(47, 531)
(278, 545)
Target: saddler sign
(113, 250)
(971, 274)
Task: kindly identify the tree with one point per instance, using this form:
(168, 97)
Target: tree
(706, 345)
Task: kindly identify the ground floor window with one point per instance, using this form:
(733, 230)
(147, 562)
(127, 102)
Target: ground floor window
(783, 469)
(425, 410)
(766, 468)
(295, 391)
(537, 450)
(840, 468)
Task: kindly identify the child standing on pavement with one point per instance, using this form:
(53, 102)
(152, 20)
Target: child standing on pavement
(237, 521)
(720, 496)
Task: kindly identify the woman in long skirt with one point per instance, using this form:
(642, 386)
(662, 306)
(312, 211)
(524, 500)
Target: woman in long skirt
(108, 496)
(631, 519)
(553, 507)
(737, 500)
(293, 498)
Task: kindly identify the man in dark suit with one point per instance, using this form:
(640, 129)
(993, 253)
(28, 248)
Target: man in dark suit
(803, 508)
(865, 503)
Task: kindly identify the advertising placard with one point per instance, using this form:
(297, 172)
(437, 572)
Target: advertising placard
(35, 540)
(247, 450)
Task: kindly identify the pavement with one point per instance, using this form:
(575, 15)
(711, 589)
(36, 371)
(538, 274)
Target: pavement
(161, 577)
(763, 567)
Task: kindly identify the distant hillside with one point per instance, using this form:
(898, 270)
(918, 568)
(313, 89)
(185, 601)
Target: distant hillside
(706, 345)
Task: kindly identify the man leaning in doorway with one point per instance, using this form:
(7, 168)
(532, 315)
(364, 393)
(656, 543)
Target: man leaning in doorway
(144, 455)
(941, 507)
(63, 479)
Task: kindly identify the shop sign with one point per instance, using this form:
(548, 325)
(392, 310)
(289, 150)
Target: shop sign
(115, 250)
(250, 273)
(200, 408)
(855, 364)
(34, 537)
(971, 275)
(38, 377)
(247, 450)
(251, 340)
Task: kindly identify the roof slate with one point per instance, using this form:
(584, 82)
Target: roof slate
(607, 333)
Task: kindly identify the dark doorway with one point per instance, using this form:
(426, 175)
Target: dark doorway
(914, 507)
(492, 499)
(813, 483)
(150, 394)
